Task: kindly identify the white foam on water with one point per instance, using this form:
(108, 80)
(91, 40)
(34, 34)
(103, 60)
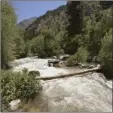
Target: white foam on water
(88, 93)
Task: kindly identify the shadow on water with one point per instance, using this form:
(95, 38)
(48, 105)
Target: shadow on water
(107, 73)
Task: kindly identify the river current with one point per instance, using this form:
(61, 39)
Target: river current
(90, 92)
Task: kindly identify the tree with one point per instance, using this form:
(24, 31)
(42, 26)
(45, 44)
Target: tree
(106, 54)
(8, 27)
(106, 4)
(74, 11)
(37, 46)
(95, 27)
(74, 27)
(19, 44)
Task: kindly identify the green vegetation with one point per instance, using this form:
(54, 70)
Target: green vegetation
(80, 29)
(80, 56)
(17, 85)
(106, 54)
(19, 44)
(96, 36)
(13, 85)
(8, 32)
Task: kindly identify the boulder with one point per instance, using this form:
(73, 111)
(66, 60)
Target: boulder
(64, 57)
(55, 57)
(34, 73)
(83, 65)
(91, 66)
(15, 104)
(60, 64)
(53, 62)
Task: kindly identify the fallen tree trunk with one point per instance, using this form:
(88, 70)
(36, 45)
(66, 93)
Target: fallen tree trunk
(68, 75)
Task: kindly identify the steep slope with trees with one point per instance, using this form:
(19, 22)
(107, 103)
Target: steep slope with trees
(25, 23)
(13, 85)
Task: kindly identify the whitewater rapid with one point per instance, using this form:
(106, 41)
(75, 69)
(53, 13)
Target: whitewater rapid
(90, 92)
(41, 65)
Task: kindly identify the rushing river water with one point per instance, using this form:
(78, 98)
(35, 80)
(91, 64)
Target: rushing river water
(91, 92)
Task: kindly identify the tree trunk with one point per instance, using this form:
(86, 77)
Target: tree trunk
(68, 75)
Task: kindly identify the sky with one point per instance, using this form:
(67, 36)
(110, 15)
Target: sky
(28, 9)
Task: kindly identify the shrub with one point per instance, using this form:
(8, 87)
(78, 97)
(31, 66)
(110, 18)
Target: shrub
(17, 85)
(106, 54)
(80, 56)
(107, 68)
(25, 70)
(71, 60)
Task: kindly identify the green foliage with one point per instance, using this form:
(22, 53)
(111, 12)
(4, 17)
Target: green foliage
(71, 60)
(17, 85)
(27, 49)
(95, 28)
(25, 70)
(37, 46)
(8, 32)
(74, 12)
(60, 31)
(53, 21)
(71, 44)
(106, 54)
(80, 56)
(106, 4)
(44, 45)
(19, 44)
(106, 46)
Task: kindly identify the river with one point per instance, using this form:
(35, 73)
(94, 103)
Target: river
(89, 93)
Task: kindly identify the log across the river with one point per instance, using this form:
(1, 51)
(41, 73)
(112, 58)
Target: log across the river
(68, 75)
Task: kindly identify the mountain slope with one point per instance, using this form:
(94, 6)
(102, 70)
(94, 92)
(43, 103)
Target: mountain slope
(52, 20)
(25, 23)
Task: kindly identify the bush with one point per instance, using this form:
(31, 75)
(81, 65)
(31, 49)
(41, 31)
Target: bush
(71, 60)
(80, 56)
(17, 85)
(106, 54)
(107, 69)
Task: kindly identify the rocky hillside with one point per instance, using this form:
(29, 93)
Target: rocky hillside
(52, 20)
(57, 20)
(25, 23)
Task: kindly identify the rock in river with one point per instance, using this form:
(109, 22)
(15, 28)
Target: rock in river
(15, 104)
